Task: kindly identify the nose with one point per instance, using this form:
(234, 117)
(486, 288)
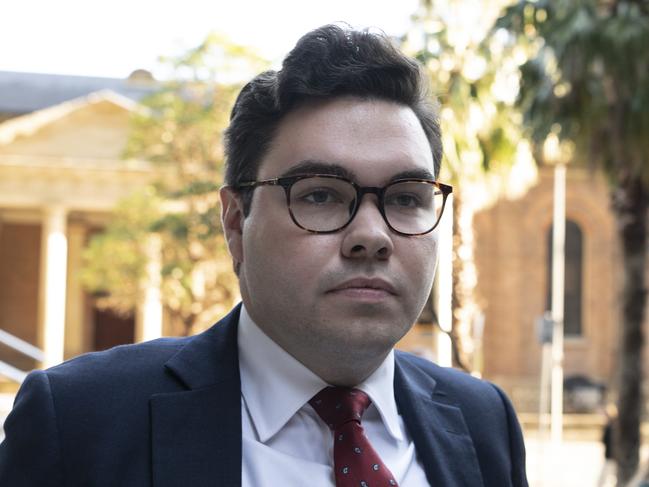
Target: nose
(367, 236)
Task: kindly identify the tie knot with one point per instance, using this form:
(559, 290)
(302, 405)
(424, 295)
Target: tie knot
(339, 405)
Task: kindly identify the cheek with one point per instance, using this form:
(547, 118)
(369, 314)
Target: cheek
(308, 256)
(285, 257)
(420, 264)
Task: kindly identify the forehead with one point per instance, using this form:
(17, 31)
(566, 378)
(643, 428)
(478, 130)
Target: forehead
(371, 139)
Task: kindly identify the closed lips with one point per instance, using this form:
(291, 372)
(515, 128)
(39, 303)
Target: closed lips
(365, 283)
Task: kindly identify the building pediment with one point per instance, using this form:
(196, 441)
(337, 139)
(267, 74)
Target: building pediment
(94, 127)
(70, 154)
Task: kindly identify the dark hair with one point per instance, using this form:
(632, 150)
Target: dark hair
(330, 61)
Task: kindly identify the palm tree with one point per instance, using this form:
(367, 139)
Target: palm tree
(587, 81)
(481, 136)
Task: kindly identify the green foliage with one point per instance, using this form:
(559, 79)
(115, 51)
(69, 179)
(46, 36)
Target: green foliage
(587, 79)
(474, 80)
(178, 129)
(115, 260)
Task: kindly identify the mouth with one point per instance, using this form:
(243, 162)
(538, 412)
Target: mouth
(362, 287)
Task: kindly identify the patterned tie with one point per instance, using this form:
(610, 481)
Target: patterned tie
(356, 464)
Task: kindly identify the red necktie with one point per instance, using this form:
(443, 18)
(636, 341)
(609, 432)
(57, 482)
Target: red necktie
(356, 464)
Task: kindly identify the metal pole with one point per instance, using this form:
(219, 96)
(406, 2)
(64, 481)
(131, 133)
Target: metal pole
(545, 382)
(544, 414)
(558, 271)
(445, 286)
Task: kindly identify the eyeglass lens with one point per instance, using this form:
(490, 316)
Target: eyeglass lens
(326, 204)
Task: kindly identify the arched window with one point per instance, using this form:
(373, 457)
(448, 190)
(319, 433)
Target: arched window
(572, 313)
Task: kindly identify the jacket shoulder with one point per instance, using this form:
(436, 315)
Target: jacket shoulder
(483, 404)
(489, 416)
(124, 362)
(455, 382)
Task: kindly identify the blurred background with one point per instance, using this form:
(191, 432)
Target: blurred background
(111, 156)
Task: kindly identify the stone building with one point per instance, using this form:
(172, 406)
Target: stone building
(61, 173)
(513, 257)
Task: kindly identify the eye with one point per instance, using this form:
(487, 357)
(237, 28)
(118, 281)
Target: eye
(404, 200)
(320, 196)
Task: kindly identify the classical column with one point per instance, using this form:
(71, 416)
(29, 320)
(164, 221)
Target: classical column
(76, 324)
(149, 316)
(54, 245)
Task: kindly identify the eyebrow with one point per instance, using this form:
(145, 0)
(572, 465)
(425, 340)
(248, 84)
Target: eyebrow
(419, 173)
(314, 166)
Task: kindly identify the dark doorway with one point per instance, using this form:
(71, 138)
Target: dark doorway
(112, 329)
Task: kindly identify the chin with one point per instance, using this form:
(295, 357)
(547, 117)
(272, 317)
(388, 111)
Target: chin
(375, 336)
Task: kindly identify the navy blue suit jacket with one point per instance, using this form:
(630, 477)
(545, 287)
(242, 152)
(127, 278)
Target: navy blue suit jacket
(168, 413)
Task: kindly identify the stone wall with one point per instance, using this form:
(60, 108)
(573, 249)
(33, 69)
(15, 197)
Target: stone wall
(512, 262)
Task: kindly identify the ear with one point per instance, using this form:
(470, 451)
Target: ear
(232, 220)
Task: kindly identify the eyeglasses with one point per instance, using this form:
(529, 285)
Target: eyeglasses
(326, 203)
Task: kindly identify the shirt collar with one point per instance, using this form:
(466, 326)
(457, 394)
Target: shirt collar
(275, 385)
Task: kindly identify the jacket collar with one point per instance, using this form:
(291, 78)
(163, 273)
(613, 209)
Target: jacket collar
(196, 434)
(442, 440)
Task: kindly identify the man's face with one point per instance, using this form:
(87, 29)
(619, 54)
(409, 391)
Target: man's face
(355, 291)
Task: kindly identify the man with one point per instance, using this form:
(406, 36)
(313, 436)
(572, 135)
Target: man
(330, 214)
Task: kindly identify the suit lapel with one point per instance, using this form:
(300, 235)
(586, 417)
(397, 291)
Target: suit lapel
(196, 434)
(438, 429)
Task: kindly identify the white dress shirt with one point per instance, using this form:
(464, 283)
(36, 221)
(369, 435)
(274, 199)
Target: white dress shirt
(285, 443)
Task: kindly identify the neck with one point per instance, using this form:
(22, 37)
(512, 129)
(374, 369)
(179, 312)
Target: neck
(336, 360)
(339, 367)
